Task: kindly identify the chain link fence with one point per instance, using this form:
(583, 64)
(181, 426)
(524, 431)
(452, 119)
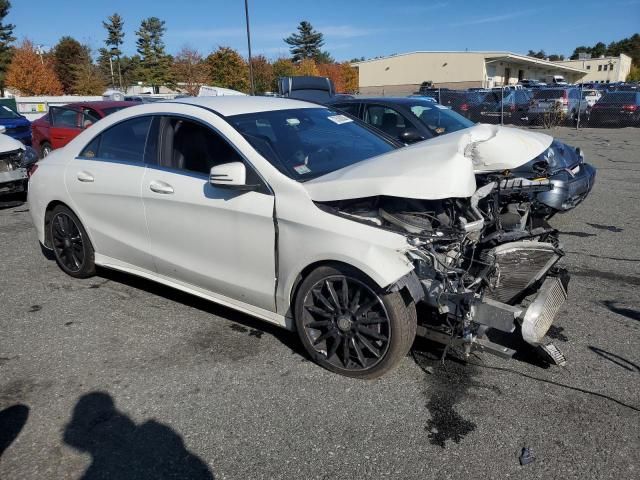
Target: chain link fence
(580, 106)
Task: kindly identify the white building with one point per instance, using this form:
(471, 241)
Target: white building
(402, 74)
(602, 69)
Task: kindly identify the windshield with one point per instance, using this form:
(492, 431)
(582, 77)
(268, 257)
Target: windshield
(305, 143)
(6, 112)
(438, 119)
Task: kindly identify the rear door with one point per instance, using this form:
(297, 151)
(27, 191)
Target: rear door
(65, 125)
(104, 183)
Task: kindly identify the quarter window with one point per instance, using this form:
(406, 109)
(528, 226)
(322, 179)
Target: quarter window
(124, 141)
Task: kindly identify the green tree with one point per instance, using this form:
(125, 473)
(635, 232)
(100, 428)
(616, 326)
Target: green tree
(307, 43)
(155, 65)
(68, 54)
(6, 39)
(88, 79)
(114, 40)
(228, 69)
(263, 76)
(634, 74)
(282, 67)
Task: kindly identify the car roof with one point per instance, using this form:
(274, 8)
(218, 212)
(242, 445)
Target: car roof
(394, 100)
(102, 104)
(228, 105)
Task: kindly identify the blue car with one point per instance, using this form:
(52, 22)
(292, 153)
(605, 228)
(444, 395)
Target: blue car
(16, 125)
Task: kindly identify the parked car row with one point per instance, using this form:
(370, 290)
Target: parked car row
(529, 106)
(319, 218)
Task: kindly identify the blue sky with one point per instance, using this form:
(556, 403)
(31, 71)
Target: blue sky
(352, 28)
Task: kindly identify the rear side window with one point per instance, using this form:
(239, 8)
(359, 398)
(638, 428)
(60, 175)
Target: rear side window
(350, 108)
(125, 141)
(63, 117)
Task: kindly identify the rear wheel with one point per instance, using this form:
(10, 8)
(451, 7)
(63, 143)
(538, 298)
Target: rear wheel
(45, 149)
(351, 327)
(71, 245)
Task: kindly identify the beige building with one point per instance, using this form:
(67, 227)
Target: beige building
(402, 74)
(602, 69)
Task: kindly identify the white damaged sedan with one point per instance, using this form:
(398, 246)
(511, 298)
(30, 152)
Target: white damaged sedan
(308, 219)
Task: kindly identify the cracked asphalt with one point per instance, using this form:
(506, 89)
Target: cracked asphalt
(116, 377)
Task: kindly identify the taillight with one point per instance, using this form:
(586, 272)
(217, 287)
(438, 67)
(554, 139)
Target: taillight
(464, 107)
(31, 170)
(630, 108)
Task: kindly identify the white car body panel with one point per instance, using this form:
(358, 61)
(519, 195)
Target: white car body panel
(443, 167)
(242, 273)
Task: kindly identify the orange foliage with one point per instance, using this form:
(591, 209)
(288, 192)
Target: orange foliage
(306, 66)
(31, 74)
(343, 76)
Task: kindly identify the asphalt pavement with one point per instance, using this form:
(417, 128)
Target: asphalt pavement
(116, 377)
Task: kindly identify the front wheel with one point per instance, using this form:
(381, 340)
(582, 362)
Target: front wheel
(351, 327)
(71, 245)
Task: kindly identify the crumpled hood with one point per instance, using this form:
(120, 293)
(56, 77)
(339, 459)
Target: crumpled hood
(9, 144)
(442, 167)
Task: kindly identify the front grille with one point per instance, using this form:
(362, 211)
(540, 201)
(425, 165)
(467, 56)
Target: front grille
(543, 310)
(519, 265)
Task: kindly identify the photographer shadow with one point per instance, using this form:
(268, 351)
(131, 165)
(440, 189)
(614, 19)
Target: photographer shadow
(122, 449)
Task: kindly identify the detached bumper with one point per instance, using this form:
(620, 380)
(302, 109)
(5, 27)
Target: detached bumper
(570, 188)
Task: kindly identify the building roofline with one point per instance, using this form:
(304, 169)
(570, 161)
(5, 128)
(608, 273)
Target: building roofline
(489, 54)
(611, 57)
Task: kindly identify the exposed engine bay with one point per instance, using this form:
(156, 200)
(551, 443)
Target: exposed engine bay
(486, 264)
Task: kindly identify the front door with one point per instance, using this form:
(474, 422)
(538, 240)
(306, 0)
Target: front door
(65, 125)
(216, 239)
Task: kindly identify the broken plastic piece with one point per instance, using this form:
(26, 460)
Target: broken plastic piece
(526, 457)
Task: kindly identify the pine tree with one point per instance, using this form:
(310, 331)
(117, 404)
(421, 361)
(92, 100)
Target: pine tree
(115, 39)
(155, 67)
(68, 54)
(307, 43)
(6, 39)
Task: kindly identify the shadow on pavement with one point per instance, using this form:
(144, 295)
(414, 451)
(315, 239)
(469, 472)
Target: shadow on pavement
(617, 359)
(12, 421)
(625, 312)
(121, 449)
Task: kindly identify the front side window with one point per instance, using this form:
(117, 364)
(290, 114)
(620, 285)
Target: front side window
(191, 146)
(124, 141)
(387, 119)
(306, 143)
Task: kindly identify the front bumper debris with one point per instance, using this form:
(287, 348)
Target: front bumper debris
(570, 187)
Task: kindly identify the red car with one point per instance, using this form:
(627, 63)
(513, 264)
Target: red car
(63, 124)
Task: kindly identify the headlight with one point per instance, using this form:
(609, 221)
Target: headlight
(560, 156)
(29, 157)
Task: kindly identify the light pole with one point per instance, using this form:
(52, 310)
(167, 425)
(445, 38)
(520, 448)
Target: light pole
(246, 14)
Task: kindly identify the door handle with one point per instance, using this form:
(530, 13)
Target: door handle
(160, 187)
(85, 177)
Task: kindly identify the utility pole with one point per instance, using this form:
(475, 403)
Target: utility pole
(246, 14)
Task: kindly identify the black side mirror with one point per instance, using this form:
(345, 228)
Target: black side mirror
(410, 135)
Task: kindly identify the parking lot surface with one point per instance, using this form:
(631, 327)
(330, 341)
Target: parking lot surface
(116, 377)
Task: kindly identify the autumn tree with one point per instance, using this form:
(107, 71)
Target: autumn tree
(228, 69)
(350, 78)
(87, 79)
(68, 54)
(333, 71)
(6, 40)
(307, 66)
(155, 65)
(305, 44)
(31, 74)
(189, 70)
(115, 38)
(282, 67)
(263, 76)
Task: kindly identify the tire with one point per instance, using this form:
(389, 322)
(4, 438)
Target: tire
(347, 337)
(71, 246)
(45, 149)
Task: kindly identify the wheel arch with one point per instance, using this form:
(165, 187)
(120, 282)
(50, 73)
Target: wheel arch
(403, 286)
(47, 221)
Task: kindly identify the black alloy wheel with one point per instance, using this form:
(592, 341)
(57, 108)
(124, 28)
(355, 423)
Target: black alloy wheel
(71, 246)
(351, 327)
(346, 322)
